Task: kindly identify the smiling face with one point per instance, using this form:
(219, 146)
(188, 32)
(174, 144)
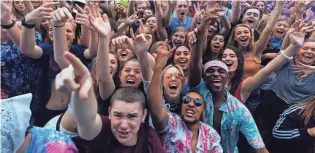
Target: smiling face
(215, 78)
(213, 27)
(181, 9)
(217, 43)
(113, 64)
(172, 83)
(141, 7)
(70, 32)
(130, 75)
(120, 9)
(251, 18)
(306, 54)
(147, 13)
(280, 29)
(125, 120)
(178, 38)
(19, 6)
(182, 57)
(242, 36)
(124, 55)
(190, 112)
(230, 59)
(261, 6)
(151, 23)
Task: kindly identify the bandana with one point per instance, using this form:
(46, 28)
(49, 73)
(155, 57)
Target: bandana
(15, 116)
(215, 63)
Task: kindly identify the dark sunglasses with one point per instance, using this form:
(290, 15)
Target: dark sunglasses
(187, 99)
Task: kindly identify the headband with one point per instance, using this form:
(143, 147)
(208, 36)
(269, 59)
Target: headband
(215, 63)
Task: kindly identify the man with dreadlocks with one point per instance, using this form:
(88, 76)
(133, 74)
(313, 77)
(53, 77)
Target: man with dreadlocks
(295, 129)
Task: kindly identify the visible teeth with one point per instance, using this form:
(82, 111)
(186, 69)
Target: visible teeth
(182, 61)
(217, 81)
(190, 112)
(173, 86)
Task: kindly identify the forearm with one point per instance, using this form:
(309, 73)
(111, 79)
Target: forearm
(167, 16)
(121, 29)
(15, 35)
(27, 42)
(60, 46)
(93, 43)
(131, 7)
(226, 25)
(85, 113)
(262, 150)
(106, 83)
(85, 37)
(236, 12)
(161, 31)
(285, 42)
(145, 66)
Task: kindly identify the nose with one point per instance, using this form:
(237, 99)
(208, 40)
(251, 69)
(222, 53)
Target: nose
(132, 73)
(123, 124)
(173, 77)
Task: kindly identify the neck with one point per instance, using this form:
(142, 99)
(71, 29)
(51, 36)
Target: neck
(4, 40)
(182, 20)
(244, 49)
(219, 97)
(228, 82)
(194, 128)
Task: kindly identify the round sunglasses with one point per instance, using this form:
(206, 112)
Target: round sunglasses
(197, 101)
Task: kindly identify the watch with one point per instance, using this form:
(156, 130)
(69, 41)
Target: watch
(29, 26)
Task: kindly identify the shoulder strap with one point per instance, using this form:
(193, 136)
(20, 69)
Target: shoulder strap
(58, 122)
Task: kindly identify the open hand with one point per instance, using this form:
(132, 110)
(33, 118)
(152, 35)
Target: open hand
(75, 77)
(141, 42)
(82, 16)
(6, 12)
(303, 70)
(41, 13)
(101, 25)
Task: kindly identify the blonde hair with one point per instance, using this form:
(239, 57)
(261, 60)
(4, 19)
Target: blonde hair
(232, 42)
(170, 66)
(308, 110)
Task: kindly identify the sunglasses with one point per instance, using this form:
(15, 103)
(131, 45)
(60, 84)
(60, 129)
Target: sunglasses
(197, 101)
(176, 75)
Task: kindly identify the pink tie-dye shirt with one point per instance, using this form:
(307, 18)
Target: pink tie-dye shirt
(177, 138)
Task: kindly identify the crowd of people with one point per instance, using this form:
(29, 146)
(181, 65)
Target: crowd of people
(160, 76)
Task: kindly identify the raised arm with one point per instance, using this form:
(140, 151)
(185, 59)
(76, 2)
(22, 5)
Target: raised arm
(6, 19)
(60, 17)
(263, 40)
(168, 14)
(77, 79)
(161, 31)
(158, 111)
(131, 7)
(27, 42)
(197, 43)
(236, 12)
(105, 80)
(226, 25)
(124, 26)
(251, 83)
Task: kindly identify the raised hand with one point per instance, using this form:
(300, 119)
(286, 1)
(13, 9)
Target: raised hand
(131, 19)
(101, 25)
(6, 12)
(191, 37)
(82, 16)
(141, 42)
(303, 70)
(41, 13)
(303, 5)
(198, 12)
(60, 16)
(75, 77)
(163, 55)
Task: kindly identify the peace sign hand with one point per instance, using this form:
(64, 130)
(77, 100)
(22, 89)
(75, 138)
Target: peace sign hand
(141, 42)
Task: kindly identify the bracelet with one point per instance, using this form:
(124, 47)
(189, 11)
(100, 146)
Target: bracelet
(59, 26)
(11, 25)
(287, 57)
(29, 26)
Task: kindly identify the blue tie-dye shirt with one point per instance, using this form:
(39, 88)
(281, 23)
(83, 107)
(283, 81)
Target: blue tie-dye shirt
(236, 118)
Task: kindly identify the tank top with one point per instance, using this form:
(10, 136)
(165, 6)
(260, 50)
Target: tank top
(251, 66)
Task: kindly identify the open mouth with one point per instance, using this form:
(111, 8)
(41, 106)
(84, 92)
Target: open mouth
(182, 13)
(173, 87)
(123, 134)
(307, 55)
(217, 82)
(123, 53)
(190, 112)
(182, 61)
(250, 20)
(177, 42)
(280, 31)
(244, 39)
(130, 81)
(228, 63)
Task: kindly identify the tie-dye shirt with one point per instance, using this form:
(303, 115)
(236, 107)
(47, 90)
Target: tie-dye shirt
(236, 117)
(176, 137)
(50, 141)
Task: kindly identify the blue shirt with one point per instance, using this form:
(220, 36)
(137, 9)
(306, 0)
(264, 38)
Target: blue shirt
(19, 73)
(176, 23)
(236, 117)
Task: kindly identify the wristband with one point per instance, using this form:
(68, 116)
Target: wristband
(59, 26)
(287, 57)
(11, 25)
(29, 26)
